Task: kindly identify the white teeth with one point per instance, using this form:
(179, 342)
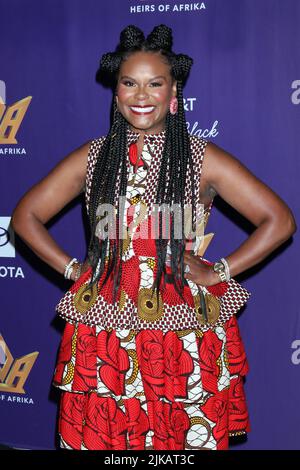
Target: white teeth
(142, 110)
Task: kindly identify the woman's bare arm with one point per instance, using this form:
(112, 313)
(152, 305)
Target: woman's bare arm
(226, 176)
(254, 200)
(46, 199)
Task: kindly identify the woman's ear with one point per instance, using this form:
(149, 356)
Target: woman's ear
(174, 88)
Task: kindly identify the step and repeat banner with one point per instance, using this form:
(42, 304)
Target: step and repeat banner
(243, 93)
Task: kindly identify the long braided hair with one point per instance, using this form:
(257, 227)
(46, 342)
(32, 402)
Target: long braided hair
(111, 166)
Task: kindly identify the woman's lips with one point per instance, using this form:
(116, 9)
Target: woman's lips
(142, 110)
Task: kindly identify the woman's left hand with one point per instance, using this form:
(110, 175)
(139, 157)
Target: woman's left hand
(200, 272)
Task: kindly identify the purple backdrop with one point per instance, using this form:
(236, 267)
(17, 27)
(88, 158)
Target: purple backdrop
(243, 93)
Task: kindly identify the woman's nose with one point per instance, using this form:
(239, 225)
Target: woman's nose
(141, 92)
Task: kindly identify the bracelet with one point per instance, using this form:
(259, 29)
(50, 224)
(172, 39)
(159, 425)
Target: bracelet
(69, 268)
(227, 270)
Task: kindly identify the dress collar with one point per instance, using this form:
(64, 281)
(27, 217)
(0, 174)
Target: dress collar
(153, 138)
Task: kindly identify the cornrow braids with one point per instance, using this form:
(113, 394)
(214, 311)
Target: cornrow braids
(110, 167)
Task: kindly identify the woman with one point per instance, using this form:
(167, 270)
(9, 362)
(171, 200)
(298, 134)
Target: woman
(137, 370)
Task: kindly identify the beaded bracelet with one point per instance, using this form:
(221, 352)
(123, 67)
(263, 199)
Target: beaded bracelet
(68, 268)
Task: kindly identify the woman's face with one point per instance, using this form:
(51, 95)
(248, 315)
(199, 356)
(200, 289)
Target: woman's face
(144, 81)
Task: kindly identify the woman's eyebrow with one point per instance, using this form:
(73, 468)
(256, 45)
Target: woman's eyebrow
(154, 78)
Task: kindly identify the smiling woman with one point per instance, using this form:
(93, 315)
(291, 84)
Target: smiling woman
(151, 356)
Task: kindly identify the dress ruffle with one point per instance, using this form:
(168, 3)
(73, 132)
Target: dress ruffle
(150, 389)
(176, 314)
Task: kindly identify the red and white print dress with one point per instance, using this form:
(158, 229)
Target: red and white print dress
(141, 374)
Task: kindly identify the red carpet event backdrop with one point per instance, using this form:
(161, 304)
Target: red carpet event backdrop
(243, 93)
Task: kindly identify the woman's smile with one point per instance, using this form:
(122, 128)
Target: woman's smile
(142, 109)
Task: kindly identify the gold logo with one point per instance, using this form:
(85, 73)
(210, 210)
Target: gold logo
(11, 118)
(14, 373)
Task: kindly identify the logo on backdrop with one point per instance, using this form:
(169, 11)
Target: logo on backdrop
(11, 118)
(295, 96)
(7, 249)
(2, 92)
(14, 372)
(142, 6)
(190, 105)
(295, 358)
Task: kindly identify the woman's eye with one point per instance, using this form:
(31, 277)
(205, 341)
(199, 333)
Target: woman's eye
(127, 81)
(156, 83)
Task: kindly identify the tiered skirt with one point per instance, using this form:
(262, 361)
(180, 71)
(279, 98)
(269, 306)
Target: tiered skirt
(151, 390)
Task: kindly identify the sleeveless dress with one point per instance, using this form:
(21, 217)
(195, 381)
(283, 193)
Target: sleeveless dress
(141, 374)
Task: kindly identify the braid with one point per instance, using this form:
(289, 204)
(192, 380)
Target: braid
(111, 165)
(180, 158)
